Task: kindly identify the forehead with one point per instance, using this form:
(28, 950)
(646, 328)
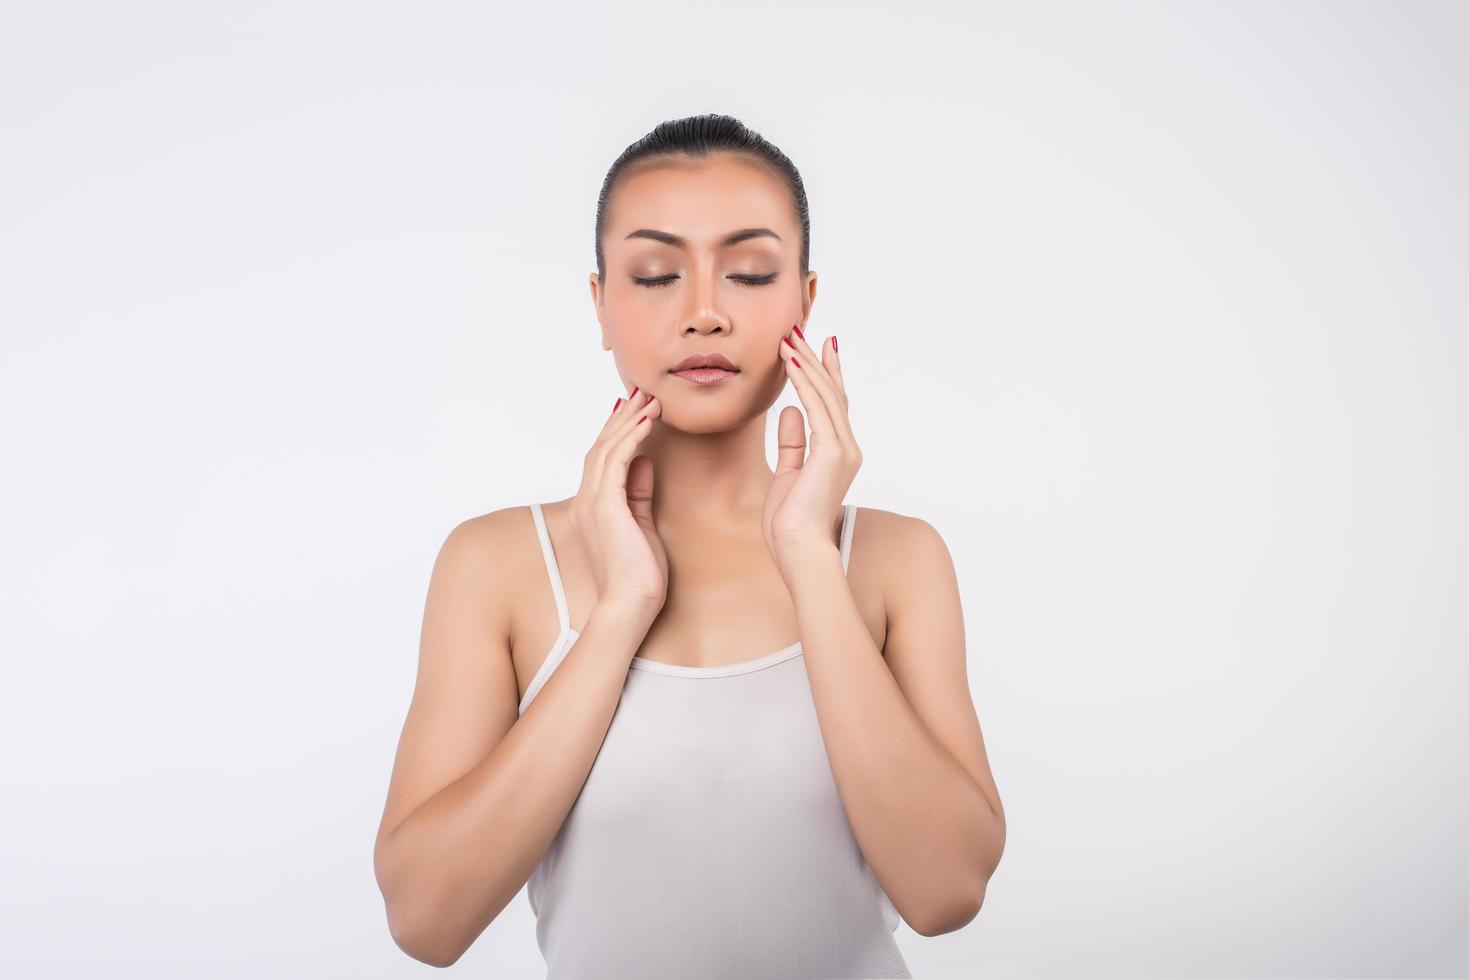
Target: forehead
(699, 199)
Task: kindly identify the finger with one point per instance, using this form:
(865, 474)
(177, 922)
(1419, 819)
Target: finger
(790, 439)
(640, 486)
(623, 418)
(626, 420)
(833, 363)
(833, 397)
(822, 429)
(819, 374)
(621, 449)
(622, 410)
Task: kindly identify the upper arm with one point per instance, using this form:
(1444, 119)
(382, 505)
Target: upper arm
(465, 698)
(925, 647)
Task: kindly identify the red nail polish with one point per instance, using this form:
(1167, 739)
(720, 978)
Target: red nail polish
(634, 393)
(797, 328)
(788, 343)
(642, 420)
(834, 343)
(794, 361)
(616, 405)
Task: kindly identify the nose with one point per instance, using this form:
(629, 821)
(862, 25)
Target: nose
(703, 317)
(706, 323)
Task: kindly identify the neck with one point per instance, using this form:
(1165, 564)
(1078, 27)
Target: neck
(713, 477)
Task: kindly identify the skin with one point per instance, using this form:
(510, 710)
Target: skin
(741, 561)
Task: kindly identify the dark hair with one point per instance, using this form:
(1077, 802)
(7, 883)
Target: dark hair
(699, 137)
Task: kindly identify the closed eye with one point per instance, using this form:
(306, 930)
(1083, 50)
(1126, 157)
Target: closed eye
(665, 280)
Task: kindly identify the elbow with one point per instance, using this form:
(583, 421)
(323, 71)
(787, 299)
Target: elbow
(416, 925)
(964, 897)
(950, 917)
(960, 910)
(419, 940)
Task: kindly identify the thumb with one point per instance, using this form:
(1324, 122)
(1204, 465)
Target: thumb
(791, 440)
(640, 489)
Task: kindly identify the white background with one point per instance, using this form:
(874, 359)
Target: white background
(1156, 312)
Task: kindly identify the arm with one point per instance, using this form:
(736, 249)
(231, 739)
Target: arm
(477, 794)
(902, 734)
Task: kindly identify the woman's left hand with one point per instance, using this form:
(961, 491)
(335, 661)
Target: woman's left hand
(806, 496)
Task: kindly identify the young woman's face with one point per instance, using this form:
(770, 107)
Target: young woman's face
(675, 285)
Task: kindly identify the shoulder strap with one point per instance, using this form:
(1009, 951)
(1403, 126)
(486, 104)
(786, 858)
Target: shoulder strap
(552, 569)
(848, 519)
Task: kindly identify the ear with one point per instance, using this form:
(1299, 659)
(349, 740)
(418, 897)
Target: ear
(597, 299)
(810, 293)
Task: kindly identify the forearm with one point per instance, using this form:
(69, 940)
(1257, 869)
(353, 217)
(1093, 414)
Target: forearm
(457, 860)
(922, 822)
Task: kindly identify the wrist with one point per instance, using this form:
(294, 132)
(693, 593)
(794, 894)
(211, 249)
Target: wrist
(798, 558)
(626, 613)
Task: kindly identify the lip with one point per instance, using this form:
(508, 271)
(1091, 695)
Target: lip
(714, 359)
(705, 375)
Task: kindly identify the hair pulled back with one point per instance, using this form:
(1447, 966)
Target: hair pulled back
(699, 137)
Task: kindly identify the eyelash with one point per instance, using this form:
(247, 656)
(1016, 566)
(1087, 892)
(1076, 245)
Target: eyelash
(746, 280)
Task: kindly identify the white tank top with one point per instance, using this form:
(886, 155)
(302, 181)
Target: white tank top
(709, 839)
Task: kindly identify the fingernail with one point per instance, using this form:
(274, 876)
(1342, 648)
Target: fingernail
(834, 343)
(634, 393)
(797, 328)
(788, 343)
(794, 361)
(642, 420)
(616, 405)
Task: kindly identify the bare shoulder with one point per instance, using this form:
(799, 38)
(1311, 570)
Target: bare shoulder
(501, 526)
(497, 554)
(489, 550)
(893, 528)
(901, 550)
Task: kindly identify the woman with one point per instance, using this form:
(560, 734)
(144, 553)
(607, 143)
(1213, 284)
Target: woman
(716, 718)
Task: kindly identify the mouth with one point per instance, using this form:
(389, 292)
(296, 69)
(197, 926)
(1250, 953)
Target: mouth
(705, 375)
(704, 369)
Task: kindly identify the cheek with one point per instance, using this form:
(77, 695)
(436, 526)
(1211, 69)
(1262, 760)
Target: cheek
(638, 363)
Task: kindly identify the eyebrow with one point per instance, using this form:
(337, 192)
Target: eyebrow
(731, 239)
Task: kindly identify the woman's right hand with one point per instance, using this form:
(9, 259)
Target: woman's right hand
(612, 512)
